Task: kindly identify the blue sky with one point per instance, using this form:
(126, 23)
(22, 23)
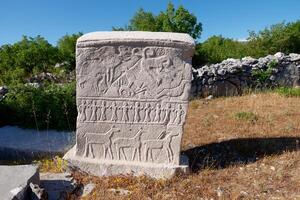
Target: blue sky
(54, 18)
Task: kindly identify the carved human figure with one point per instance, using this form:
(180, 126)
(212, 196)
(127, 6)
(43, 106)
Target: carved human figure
(100, 139)
(157, 113)
(178, 115)
(98, 110)
(133, 143)
(163, 141)
(147, 113)
(137, 116)
(83, 111)
(94, 111)
(103, 111)
(125, 109)
(80, 110)
(114, 109)
(168, 110)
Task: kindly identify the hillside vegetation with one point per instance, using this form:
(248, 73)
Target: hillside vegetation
(41, 76)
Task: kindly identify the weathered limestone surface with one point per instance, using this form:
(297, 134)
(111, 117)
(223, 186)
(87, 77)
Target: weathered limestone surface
(132, 98)
(15, 180)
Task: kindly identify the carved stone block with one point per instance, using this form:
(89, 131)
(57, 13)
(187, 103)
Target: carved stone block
(132, 99)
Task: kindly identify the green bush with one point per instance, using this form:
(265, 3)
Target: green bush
(262, 75)
(50, 107)
(281, 37)
(288, 92)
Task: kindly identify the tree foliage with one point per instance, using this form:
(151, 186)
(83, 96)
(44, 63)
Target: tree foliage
(67, 46)
(28, 56)
(282, 37)
(50, 107)
(171, 20)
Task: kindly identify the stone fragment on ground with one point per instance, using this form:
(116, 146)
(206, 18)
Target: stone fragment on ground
(57, 185)
(61, 186)
(15, 180)
(25, 144)
(120, 191)
(87, 189)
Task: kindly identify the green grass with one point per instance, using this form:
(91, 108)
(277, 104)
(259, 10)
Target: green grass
(247, 116)
(288, 92)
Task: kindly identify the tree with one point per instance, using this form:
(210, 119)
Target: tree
(283, 37)
(67, 46)
(31, 54)
(217, 48)
(172, 20)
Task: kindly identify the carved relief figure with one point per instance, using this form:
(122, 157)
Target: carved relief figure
(103, 111)
(100, 139)
(163, 141)
(137, 116)
(82, 114)
(147, 113)
(125, 109)
(167, 113)
(114, 109)
(157, 113)
(133, 143)
(178, 115)
(94, 111)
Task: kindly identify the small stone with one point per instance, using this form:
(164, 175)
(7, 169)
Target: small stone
(87, 189)
(294, 57)
(219, 191)
(243, 193)
(120, 191)
(279, 55)
(210, 97)
(272, 168)
(38, 192)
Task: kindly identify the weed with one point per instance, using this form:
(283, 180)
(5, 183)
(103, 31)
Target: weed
(288, 92)
(247, 116)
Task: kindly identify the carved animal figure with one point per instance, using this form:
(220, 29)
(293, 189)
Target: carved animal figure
(133, 143)
(163, 141)
(100, 139)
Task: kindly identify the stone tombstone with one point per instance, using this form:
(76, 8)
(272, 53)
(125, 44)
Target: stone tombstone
(132, 100)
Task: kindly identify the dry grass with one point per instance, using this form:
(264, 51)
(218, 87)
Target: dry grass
(214, 121)
(231, 157)
(53, 165)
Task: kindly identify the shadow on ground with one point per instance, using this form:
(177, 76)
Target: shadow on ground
(238, 151)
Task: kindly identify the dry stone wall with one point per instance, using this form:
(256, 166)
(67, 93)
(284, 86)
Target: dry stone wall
(234, 76)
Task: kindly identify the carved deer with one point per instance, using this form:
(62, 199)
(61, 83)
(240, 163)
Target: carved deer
(100, 139)
(164, 140)
(133, 143)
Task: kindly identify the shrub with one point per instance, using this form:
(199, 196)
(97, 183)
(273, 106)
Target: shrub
(261, 76)
(50, 107)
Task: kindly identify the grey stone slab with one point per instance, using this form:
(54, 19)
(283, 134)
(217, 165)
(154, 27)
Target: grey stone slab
(18, 143)
(132, 98)
(15, 180)
(57, 185)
